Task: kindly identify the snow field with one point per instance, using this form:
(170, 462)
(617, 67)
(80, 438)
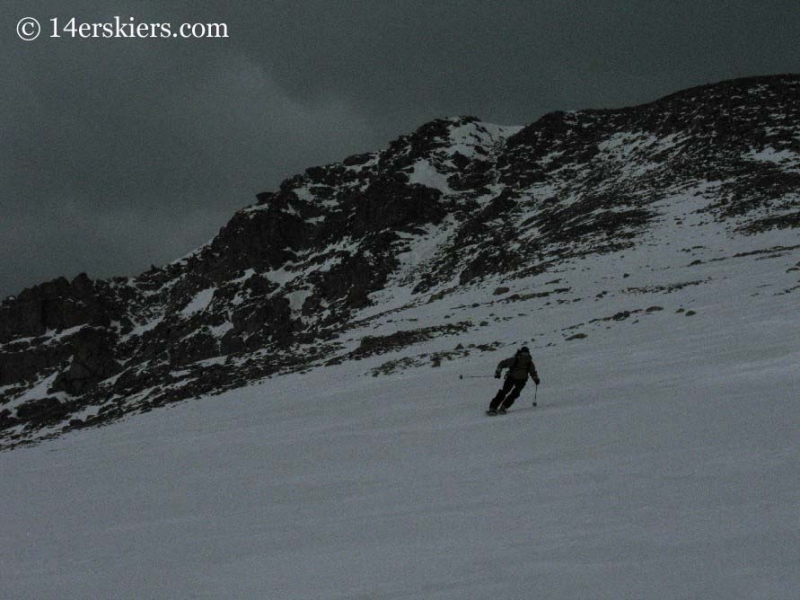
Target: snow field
(659, 464)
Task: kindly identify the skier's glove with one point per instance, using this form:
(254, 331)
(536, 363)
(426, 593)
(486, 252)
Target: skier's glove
(497, 374)
(536, 380)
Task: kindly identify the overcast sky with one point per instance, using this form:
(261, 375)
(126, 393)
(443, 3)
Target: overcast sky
(120, 153)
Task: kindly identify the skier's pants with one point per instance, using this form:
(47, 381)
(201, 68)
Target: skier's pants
(509, 393)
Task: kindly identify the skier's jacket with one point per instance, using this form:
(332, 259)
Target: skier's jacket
(520, 366)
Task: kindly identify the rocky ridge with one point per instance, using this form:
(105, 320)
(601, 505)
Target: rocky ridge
(455, 205)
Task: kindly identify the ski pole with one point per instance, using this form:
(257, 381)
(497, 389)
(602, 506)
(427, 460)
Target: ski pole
(535, 391)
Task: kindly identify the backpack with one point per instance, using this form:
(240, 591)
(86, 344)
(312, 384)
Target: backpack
(522, 364)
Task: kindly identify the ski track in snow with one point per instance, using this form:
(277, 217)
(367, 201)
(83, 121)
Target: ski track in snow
(661, 462)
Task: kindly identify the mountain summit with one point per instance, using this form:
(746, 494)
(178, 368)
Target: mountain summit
(473, 222)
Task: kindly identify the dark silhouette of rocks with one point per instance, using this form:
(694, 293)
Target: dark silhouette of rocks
(292, 271)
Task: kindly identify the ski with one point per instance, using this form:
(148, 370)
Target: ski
(495, 413)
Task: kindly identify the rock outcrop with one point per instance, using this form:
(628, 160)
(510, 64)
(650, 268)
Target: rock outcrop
(445, 207)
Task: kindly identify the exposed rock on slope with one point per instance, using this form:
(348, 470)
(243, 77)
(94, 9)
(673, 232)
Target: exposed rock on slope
(440, 210)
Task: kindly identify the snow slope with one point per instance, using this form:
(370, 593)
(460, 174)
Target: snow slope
(661, 462)
(444, 237)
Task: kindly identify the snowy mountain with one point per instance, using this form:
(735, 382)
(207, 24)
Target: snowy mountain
(337, 342)
(408, 252)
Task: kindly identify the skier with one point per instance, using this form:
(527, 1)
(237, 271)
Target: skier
(519, 367)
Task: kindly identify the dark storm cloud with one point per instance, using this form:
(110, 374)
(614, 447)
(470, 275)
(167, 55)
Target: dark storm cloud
(115, 154)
